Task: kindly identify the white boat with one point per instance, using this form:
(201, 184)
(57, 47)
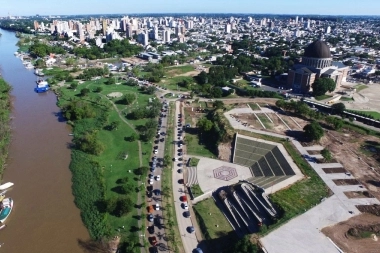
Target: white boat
(6, 209)
(29, 66)
(6, 186)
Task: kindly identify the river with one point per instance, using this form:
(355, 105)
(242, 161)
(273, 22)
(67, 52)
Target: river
(44, 218)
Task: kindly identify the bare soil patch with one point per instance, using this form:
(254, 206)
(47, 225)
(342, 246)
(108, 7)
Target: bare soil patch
(225, 152)
(115, 95)
(348, 234)
(346, 182)
(314, 152)
(358, 194)
(371, 209)
(334, 170)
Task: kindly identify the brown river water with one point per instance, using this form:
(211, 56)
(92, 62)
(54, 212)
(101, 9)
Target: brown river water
(44, 217)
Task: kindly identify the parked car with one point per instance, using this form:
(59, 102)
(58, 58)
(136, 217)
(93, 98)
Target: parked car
(150, 181)
(150, 176)
(153, 240)
(158, 178)
(157, 207)
(186, 214)
(190, 229)
(185, 206)
(151, 229)
(150, 217)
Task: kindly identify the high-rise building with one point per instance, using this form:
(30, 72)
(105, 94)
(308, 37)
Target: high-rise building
(143, 38)
(166, 36)
(296, 19)
(129, 30)
(104, 26)
(328, 30)
(227, 28)
(36, 25)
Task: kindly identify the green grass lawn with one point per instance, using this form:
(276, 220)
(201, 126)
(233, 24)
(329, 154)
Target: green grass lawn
(197, 191)
(178, 70)
(375, 115)
(360, 87)
(194, 147)
(112, 160)
(171, 83)
(194, 162)
(265, 120)
(346, 99)
(215, 228)
(254, 106)
(322, 97)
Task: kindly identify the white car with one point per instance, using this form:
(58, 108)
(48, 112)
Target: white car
(158, 178)
(185, 206)
(150, 181)
(155, 151)
(157, 207)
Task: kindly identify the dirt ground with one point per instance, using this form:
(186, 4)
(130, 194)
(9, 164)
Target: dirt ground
(334, 170)
(354, 195)
(225, 152)
(339, 234)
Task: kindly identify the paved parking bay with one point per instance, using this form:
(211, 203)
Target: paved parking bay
(189, 240)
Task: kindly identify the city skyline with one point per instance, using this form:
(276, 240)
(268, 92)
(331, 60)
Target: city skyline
(71, 7)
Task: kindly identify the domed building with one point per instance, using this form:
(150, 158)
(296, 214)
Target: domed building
(316, 62)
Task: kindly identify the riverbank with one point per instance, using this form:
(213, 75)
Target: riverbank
(5, 129)
(106, 155)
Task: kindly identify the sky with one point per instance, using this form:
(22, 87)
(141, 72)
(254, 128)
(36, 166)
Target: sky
(72, 7)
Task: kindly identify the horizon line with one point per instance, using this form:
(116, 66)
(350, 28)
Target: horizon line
(199, 13)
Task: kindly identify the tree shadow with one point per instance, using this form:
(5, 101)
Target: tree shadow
(137, 217)
(101, 205)
(134, 229)
(118, 189)
(60, 117)
(92, 246)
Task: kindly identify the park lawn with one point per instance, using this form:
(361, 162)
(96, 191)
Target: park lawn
(196, 189)
(178, 70)
(346, 99)
(194, 162)
(115, 167)
(112, 159)
(322, 97)
(53, 71)
(254, 106)
(219, 238)
(171, 83)
(265, 120)
(193, 147)
(375, 115)
(360, 87)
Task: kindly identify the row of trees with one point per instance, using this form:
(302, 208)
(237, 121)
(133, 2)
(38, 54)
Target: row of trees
(93, 72)
(5, 130)
(39, 49)
(152, 111)
(113, 48)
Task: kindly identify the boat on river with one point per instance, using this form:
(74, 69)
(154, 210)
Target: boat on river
(6, 186)
(6, 207)
(42, 86)
(38, 72)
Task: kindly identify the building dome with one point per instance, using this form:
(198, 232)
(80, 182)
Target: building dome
(317, 49)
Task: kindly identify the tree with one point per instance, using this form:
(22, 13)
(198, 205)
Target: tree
(150, 90)
(123, 206)
(40, 63)
(141, 170)
(133, 137)
(218, 104)
(313, 131)
(114, 125)
(84, 92)
(338, 108)
(166, 160)
(322, 85)
(73, 86)
(244, 245)
(128, 99)
(326, 154)
(89, 143)
(216, 92)
(205, 124)
(98, 89)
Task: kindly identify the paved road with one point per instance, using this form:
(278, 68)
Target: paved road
(189, 240)
(151, 197)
